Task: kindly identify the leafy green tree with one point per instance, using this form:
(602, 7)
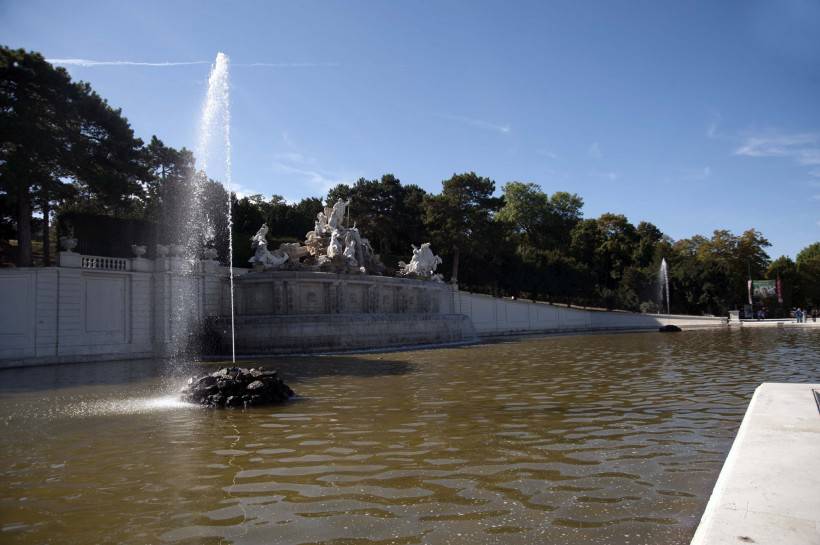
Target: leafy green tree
(649, 237)
(607, 246)
(54, 132)
(541, 221)
(36, 111)
(808, 269)
(168, 187)
(460, 218)
(784, 269)
(525, 209)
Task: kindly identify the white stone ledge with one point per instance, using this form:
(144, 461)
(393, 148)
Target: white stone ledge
(769, 488)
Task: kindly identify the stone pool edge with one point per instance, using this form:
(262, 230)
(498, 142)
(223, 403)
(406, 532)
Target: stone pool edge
(768, 490)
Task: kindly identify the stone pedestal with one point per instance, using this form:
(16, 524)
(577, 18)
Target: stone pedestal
(140, 264)
(70, 259)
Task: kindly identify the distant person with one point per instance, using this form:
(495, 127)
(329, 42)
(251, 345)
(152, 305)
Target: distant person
(814, 314)
(798, 315)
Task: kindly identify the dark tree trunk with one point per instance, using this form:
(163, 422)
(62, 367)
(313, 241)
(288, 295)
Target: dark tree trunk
(454, 276)
(23, 227)
(46, 207)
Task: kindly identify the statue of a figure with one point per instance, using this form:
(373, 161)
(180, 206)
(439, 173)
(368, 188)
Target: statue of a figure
(320, 227)
(350, 253)
(262, 255)
(337, 215)
(335, 248)
(423, 263)
(260, 238)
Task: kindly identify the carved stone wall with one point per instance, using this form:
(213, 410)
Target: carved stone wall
(313, 293)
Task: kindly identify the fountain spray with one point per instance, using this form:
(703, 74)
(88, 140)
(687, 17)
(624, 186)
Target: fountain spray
(663, 285)
(215, 122)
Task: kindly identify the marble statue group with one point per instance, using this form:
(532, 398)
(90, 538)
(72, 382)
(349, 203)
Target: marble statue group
(334, 247)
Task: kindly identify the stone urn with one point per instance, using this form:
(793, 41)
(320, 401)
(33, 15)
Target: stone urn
(210, 253)
(162, 250)
(68, 243)
(139, 250)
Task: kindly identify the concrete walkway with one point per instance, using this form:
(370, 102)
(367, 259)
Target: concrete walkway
(776, 323)
(768, 491)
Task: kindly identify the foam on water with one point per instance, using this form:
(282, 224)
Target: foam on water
(134, 405)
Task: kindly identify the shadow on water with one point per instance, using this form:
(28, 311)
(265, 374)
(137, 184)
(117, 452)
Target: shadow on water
(69, 375)
(112, 373)
(307, 368)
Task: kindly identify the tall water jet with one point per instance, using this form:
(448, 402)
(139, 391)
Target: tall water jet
(195, 226)
(663, 287)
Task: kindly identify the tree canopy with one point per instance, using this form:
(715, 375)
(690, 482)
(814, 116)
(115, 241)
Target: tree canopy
(60, 139)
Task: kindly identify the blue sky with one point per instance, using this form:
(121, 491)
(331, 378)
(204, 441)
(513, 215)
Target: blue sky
(692, 115)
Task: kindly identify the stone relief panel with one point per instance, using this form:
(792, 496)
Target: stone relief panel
(278, 302)
(387, 301)
(311, 299)
(259, 300)
(326, 294)
(355, 298)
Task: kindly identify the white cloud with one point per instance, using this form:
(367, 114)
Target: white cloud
(712, 129)
(608, 175)
(697, 174)
(478, 123)
(242, 191)
(815, 173)
(307, 168)
(546, 153)
(802, 148)
(594, 151)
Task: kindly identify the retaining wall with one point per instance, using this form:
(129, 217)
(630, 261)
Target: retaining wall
(101, 308)
(497, 316)
(93, 307)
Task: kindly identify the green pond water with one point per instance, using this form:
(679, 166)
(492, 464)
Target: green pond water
(614, 439)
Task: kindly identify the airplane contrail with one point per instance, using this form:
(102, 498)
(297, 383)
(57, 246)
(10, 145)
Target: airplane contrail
(91, 63)
(87, 62)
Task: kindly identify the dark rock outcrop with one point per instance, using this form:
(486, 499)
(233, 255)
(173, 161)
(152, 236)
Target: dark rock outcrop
(669, 329)
(237, 387)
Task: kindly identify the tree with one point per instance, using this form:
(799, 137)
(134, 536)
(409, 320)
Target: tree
(649, 238)
(36, 110)
(607, 246)
(525, 209)
(808, 269)
(460, 219)
(54, 131)
(785, 270)
(168, 185)
(542, 221)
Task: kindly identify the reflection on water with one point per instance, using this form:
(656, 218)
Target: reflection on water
(588, 439)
